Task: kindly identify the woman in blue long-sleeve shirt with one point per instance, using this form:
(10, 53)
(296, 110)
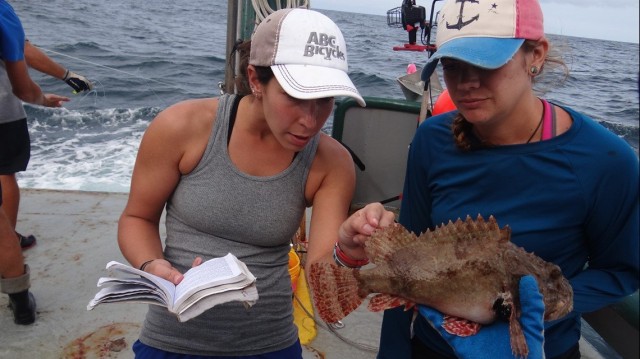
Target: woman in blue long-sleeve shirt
(566, 186)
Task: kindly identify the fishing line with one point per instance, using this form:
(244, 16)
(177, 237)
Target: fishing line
(106, 67)
(164, 102)
(332, 329)
(94, 92)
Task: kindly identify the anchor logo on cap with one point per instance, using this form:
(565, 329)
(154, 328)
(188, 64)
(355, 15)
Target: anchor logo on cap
(460, 24)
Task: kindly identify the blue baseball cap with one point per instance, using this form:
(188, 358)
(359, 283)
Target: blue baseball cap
(484, 33)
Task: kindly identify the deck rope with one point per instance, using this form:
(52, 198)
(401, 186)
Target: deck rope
(263, 9)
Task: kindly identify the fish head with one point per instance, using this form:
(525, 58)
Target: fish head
(558, 300)
(560, 308)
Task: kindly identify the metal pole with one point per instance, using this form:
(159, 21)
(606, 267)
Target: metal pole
(247, 20)
(229, 78)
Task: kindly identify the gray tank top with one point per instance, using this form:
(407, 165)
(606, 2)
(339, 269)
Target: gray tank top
(217, 209)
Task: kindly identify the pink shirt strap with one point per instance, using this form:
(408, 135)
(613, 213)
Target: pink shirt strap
(549, 121)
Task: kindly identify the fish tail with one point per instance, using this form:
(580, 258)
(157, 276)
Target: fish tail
(336, 291)
(384, 301)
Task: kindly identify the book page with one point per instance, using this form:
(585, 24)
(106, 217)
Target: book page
(128, 293)
(214, 272)
(218, 280)
(248, 296)
(104, 281)
(164, 285)
(183, 305)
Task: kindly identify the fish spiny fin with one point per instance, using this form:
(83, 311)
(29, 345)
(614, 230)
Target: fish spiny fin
(384, 301)
(386, 241)
(335, 291)
(489, 229)
(492, 227)
(468, 230)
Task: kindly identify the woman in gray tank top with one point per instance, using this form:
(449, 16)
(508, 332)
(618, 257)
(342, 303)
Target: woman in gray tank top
(235, 175)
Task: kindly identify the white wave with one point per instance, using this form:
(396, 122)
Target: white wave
(89, 151)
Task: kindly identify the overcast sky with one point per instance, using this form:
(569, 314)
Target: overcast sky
(599, 19)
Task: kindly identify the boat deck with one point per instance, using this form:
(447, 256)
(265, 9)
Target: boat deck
(76, 234)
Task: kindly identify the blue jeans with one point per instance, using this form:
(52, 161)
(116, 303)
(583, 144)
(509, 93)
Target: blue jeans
(143, 351)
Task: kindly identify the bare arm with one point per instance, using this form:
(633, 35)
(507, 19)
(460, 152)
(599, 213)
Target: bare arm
(26, 89)
(332, 179)
(156, 174)
(334, 190)
(39, 61)
(331, 186)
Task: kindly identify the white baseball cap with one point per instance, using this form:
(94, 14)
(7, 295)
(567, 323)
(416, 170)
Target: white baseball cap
(306, 52)
(484, 33)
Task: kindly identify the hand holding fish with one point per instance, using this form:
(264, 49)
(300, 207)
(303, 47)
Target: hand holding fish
(355, 231)
(494, 340)
(468, 269)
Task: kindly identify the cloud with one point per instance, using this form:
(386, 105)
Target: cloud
(609, 20)
(608, 23)
(617, 4)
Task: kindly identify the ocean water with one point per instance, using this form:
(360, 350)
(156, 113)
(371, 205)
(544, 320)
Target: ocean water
(144, 56)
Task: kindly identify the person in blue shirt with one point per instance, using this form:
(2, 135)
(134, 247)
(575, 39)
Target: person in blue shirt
(18, 55)
(566, 186)
(17, 86)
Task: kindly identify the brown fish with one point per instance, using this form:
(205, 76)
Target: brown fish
(467, 269)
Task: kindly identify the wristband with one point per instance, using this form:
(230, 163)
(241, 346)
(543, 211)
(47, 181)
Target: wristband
(143, 265)
(337, 260)
(344, 260)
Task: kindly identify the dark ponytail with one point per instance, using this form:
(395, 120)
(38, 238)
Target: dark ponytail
(242, 49)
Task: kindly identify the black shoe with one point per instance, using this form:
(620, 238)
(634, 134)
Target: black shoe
(23, 306)
(26, 242)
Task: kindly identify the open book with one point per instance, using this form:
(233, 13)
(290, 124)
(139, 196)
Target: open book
(216, 281)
